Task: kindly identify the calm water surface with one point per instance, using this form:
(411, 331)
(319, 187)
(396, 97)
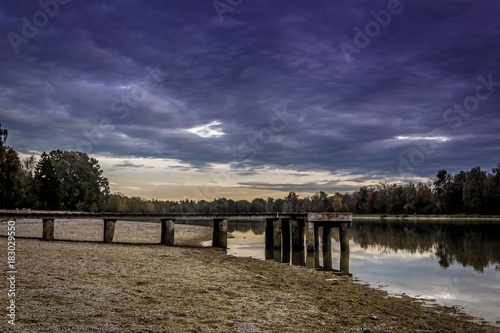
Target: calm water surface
(454, 263)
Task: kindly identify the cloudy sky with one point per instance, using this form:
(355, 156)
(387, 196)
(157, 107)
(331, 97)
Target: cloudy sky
(238, 98)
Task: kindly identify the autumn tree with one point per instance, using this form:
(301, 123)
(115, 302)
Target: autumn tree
(396, 200)
(70, 180)
(291, 201)
(475, 191)
(493, 205)
(258, 205)
(11, 175)
(338, 204)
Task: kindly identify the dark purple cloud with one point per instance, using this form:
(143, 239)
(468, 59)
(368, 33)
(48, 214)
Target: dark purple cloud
(129, 78)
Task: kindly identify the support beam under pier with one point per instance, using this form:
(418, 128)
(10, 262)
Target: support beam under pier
(167, 232)
(316, 244)
(298, 226)
(220, 233)
(277, 231)
(269, 233)
(109, 230)
(327, 247)
(48, 229)
(285, 227)
(344, 247)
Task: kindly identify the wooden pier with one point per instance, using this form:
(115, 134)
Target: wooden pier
(284, 231)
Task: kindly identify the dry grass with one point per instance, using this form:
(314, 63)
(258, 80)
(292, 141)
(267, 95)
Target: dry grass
(66, 286)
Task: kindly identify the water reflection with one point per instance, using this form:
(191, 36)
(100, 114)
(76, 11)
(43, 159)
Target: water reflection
(474, 245)
(245, 242)
(454, 263)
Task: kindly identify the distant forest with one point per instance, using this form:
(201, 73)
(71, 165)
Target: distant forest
(468, 192)
(62, 180)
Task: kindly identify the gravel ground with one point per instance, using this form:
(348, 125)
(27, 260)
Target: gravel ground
(68, 286)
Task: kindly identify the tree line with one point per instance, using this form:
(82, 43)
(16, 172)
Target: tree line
(468, 192)
(59, 180)
(68, 180)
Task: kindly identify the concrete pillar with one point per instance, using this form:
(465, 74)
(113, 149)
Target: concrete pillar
(277, 255)
(285, 225)
(297, 226)
(310, 260)
(167, 232)
(316, 244)
(310, 236)
(299, 257)
(344, 248)
(277, 231)
(285, 256)
(220, 233)
(109, 230)
(298, 248)
(327, 247)
(269, 233)
(48, 229)
(269, 253)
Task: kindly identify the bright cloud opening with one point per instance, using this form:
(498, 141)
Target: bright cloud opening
(207, 131)
(415, 138)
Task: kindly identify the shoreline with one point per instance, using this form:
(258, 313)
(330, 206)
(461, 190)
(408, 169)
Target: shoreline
(83, 286)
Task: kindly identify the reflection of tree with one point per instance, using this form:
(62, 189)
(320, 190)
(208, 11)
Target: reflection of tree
(257, 227)
(475, 245)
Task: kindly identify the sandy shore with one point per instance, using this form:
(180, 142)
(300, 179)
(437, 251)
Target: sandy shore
(67, 286)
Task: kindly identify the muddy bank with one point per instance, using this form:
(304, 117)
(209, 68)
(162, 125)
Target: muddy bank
(66, 286)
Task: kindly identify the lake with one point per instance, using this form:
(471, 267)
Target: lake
(455, 263)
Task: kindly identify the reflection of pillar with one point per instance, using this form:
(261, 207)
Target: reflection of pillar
(327, 247)
(48, 229)
(220, 233)
(167, 232)
(109, 230)
(344, 247)
(277, 235)
(269, 233)
(285, 225)
(316, 245)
